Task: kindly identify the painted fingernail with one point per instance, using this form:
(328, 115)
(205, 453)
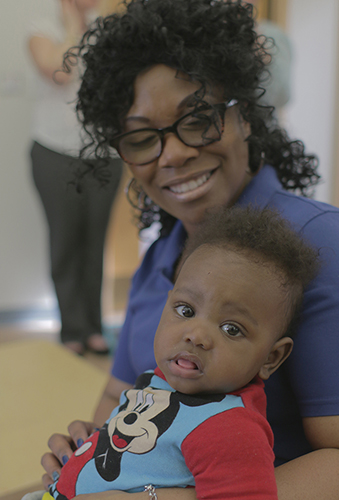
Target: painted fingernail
(65, 459)
(80, 442)
(55, 475)
(96, 429)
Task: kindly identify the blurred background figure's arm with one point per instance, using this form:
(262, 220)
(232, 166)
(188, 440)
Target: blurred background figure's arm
(278, 84)
(48, 54)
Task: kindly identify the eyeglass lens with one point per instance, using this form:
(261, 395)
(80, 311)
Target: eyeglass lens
(196, 129)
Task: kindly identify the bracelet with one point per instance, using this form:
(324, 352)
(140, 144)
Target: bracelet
(151, 492)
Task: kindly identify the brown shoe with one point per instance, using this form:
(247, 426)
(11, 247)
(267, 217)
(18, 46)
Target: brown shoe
(75, 346)
(97, 344)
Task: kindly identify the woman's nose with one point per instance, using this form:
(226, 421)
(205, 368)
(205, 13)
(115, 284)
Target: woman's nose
(175, 153)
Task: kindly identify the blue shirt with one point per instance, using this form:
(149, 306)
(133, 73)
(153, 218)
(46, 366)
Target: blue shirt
(307, 384)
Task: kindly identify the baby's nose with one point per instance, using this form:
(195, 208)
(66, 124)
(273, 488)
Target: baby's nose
(199, 337)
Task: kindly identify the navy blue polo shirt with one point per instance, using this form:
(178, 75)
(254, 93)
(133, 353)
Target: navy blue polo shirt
(307, 384)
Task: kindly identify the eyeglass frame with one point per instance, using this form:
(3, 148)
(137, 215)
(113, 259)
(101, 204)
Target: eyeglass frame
(161, 132)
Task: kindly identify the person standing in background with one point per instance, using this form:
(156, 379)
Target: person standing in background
(76, 205)
(277, 84)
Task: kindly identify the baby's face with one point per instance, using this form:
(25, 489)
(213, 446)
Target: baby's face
(220, 322)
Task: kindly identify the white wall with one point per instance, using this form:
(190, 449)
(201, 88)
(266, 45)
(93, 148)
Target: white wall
(24, 274)
(313, 28)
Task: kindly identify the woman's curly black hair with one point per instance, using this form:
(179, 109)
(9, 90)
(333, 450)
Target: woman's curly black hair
(212, 41)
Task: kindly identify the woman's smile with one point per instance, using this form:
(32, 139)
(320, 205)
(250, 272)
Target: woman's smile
(188, 188)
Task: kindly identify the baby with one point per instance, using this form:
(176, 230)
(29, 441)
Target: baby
(199, 419)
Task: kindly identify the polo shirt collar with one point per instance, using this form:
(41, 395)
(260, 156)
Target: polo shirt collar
(261, 188)
(171, 249)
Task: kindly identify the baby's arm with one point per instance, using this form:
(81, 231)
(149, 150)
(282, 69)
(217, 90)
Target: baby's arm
(231, 456)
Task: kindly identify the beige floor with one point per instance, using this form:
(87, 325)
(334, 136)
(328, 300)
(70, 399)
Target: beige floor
(43, 387)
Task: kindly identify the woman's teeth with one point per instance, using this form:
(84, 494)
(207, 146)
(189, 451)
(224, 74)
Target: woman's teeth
(189, 186)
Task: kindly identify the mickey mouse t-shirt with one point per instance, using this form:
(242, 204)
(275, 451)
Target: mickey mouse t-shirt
(220, 444)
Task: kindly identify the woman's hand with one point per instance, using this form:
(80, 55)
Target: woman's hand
(62, 447)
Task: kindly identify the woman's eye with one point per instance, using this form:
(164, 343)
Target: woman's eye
(140, 141)
(185, 311)
(231, 330)
(196, 123)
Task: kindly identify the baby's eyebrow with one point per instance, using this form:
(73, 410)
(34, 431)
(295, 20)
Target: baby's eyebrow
(238, 308)
(185, 290)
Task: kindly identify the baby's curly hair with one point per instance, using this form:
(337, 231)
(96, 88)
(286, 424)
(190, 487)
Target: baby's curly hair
(264, 237)
(212, 41)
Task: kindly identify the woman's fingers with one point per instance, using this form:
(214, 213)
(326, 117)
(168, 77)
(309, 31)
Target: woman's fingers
(79, 431)
(62, 448)
(47, 481)
(52, 467)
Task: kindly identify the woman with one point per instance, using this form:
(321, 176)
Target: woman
(77, 221)
(173, 85)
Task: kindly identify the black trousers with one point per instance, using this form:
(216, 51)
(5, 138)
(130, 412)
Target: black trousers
(77, 228)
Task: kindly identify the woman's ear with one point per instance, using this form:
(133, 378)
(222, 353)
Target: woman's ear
(246, 127)
(279, 353)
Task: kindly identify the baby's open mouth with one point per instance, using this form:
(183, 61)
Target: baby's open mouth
(187, 364)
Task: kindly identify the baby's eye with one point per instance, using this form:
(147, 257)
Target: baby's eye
(185, 311)
(231, 330)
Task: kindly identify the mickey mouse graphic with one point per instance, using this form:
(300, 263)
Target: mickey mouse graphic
(134, 429)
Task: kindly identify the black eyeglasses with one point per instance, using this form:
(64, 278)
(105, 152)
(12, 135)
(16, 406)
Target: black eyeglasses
(201, 127)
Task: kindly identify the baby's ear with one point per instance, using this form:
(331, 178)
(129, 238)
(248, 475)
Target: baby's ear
(279, 353)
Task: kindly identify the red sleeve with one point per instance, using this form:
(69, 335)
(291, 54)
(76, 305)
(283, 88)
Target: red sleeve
(230, 456)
